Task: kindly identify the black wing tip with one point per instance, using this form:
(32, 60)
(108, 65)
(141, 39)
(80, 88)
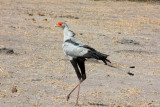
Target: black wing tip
(105, 61)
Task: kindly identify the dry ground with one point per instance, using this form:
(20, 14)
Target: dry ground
(38, 70)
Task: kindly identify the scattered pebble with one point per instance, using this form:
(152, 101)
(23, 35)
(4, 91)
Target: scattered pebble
(119, 32)
(81, 33)
(30, 14)
(128, 41)
(150, 103)
(33, 19)
(131, 74)
(14, 89)
(41, 14)
(132, 67)
(44, 19)
(6, 51)
(40, 27)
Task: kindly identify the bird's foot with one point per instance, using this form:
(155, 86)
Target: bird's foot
(77, 104)
(68, 96)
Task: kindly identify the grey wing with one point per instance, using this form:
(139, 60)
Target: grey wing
(74, 51)
(74, 48)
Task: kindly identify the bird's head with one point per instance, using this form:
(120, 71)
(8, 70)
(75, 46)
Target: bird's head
(61, 24)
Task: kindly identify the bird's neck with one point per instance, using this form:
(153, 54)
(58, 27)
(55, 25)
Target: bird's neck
(68, 34)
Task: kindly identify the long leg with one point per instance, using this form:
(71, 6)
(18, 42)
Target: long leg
(68, 96)
(75, 65)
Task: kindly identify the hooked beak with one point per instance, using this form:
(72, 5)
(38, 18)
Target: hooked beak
(56, 25)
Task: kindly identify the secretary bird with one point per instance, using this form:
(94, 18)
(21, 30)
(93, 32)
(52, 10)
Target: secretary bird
(78, 52)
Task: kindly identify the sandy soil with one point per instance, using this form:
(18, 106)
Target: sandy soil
(38, 74)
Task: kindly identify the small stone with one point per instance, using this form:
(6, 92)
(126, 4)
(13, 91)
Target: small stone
(131, 74)
(132, 67)
(33, 19)
(30, 14)
(41, 14)
(14, 89)
(81, 33)
(44, 19)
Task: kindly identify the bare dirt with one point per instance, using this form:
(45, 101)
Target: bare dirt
(37, 74)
